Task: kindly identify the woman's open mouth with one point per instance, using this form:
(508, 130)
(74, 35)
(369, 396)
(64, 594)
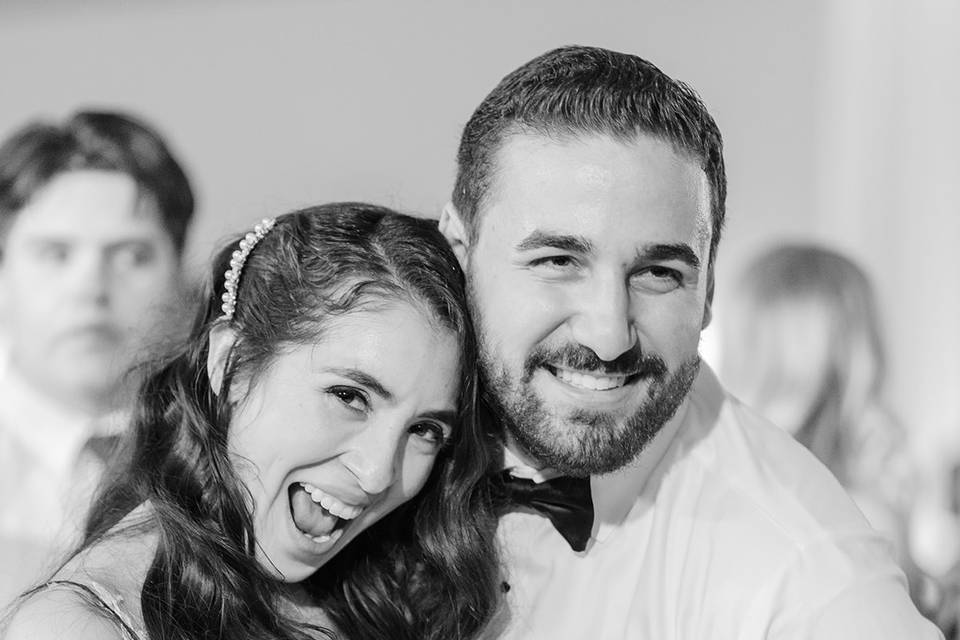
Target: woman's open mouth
(318, 515)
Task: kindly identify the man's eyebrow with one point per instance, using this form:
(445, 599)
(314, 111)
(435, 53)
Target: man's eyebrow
(126, 242)
(544, 240)
(664, 252)
(109, 243)
(363, 378)
(47, 240)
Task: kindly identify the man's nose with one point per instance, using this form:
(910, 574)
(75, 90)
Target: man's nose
(603, 318)
(374, 459)
(92, 276)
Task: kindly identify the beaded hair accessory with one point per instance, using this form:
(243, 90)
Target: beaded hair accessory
(231, 279)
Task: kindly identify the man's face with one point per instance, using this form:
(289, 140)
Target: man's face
(87, 268)
(589, 283)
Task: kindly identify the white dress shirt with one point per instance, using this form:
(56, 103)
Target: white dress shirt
(724, 528)
(46, 479)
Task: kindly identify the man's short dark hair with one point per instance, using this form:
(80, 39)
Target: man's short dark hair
(587, 90)
(109, 141)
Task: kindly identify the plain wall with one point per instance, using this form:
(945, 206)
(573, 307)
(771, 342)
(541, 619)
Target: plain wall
(277, 106)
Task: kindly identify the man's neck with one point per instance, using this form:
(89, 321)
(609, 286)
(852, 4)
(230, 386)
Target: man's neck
(523, 465)
(89, 403)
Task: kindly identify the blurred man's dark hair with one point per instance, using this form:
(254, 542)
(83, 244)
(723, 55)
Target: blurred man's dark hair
(95, 140)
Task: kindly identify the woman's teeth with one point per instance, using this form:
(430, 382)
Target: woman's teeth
(586, 381)
(334, 535)
(331, 504)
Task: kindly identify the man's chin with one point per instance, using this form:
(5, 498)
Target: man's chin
(592, 432)
(579, 442)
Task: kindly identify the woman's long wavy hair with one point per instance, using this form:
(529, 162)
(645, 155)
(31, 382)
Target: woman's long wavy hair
(427, 570)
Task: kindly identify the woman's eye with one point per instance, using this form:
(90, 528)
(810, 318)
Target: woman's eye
(352, 398)
(431, 432)
(658, 279)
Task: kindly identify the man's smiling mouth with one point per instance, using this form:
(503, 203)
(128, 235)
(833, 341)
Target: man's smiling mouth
(589, 381)
(319, 515)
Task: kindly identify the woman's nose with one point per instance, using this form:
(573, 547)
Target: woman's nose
(374, 460)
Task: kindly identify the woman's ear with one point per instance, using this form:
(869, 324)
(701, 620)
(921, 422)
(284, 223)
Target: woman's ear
(222, 339)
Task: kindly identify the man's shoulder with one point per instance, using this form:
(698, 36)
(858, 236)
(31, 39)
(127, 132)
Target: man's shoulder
(755, 473)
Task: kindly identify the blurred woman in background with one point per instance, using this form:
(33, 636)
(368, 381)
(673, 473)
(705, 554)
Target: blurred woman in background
(802, 343)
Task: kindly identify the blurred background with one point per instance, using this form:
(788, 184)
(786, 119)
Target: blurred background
(839, 118)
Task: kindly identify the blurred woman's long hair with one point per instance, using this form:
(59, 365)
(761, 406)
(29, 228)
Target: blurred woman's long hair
(803, 346)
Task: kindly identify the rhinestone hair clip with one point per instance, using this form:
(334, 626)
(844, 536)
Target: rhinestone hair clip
(231, 279)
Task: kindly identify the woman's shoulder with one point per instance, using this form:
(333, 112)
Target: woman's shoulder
(95, 594)
(58, 611)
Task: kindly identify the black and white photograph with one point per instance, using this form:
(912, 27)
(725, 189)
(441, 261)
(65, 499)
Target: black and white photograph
(373, 320)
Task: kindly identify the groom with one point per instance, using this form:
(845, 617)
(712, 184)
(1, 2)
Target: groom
(587, 212)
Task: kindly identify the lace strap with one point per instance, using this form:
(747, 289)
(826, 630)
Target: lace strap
(97, 596)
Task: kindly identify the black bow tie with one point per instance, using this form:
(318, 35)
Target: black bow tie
(565, 501)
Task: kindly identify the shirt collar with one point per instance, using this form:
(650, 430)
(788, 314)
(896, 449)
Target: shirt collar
(520, 467)
(53, 434)
(616, 494)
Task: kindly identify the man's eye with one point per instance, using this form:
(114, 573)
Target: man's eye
(352, 398)
(554, 262)
(658, 279)
(53, 253)
(431, 432)
(134, 256)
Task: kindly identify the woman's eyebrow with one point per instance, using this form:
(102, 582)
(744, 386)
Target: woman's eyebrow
(362, 378)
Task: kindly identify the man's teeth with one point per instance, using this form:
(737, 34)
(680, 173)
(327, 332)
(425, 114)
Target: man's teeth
(586, 381)
(331, 504)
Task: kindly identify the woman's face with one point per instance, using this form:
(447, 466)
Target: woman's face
(334, 435)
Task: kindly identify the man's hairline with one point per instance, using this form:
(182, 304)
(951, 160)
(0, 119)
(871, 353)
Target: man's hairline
(559, 135)
(146, 202)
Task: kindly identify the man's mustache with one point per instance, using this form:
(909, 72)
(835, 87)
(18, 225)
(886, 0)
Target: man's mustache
(629, 363)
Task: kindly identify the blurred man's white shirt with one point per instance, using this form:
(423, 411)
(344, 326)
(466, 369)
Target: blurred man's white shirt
(47, 478)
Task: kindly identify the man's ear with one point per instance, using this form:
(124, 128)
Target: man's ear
(455, 231)
(708, 305)
(222, 338)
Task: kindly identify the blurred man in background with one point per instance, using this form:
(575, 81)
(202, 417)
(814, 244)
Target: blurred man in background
(93, 218)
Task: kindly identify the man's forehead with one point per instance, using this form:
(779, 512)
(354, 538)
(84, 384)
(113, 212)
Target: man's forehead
(89, 205)
(599, 189)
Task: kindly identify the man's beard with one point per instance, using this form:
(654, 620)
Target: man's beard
(584, 441)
